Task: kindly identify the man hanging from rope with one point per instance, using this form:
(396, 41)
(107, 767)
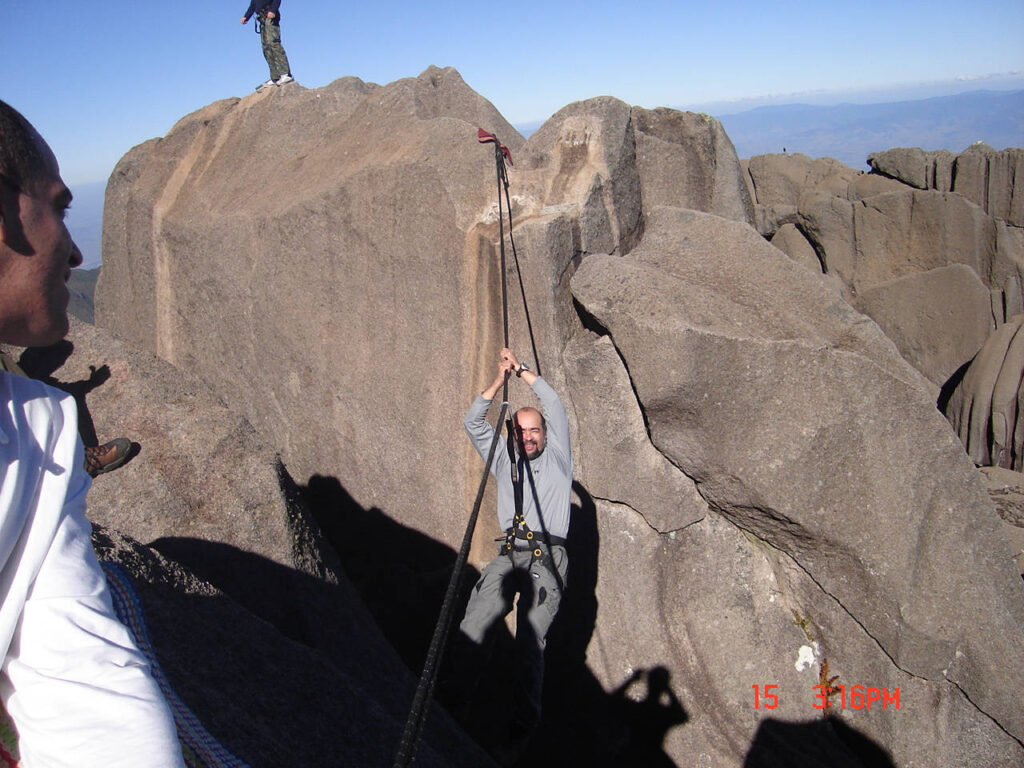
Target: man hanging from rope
(533, 510)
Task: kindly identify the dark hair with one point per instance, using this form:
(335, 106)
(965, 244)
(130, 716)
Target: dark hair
(20, 158)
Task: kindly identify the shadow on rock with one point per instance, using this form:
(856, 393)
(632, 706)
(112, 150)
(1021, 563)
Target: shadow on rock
(816, 744)
(42, 362)
(401, 576)
(649, 719)
(265, 697)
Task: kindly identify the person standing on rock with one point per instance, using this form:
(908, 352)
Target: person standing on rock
(534, 513)
(79, 691)
(268, 24)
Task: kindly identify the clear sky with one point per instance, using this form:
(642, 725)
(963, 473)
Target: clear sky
(98, 78)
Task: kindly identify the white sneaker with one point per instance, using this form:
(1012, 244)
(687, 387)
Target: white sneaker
(284, 79)
(267, 84)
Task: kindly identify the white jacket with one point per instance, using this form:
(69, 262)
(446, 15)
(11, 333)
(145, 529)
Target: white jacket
(76, 686)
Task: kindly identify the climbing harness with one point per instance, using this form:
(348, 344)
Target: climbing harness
(424, 689)
(520, 531)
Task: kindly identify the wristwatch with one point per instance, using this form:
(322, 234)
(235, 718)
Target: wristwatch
(522, 367)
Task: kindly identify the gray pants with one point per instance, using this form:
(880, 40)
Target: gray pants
(540, 593)
(273, 51)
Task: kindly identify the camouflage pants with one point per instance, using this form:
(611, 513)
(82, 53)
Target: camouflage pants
(273, 51)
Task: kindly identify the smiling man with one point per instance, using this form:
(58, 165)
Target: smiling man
(533, 510)
(79, 691)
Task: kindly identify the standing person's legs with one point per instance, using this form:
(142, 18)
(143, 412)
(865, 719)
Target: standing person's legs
(273, 51)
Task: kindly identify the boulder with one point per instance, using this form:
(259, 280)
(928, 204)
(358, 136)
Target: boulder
(915, 167)
(886, 236)
(779, 184)
(986, 407)
(992, 180)
(938, 319)
(686, 160)
(802, 427)
(791, 241)
(989, 179)
(783, 179)
(584, 157)
(270, 280)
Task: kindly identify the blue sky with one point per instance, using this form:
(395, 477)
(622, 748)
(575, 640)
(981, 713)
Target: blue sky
(98, 78)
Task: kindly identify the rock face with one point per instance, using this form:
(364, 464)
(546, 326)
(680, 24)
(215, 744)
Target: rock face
(775, 443)
(250, 614)
(765, 491)
(987, 406)
(1006, 487)
(991, 180)
(897, 241)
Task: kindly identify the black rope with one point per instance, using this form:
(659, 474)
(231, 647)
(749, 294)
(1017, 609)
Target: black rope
(425, 688)
(502, 173)
(499, 162)
(519, 272)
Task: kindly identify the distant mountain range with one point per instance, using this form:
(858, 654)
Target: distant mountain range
(850, 132)
(847, 132)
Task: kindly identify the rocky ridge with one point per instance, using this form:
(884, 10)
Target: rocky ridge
(761, 468)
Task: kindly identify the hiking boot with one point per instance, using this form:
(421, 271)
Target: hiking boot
(284, 79)
(107, 457)
(267, 84)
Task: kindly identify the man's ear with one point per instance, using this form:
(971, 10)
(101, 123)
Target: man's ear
(11, 234)
(6, 188)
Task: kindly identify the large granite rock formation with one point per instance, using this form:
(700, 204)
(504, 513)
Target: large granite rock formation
(766, 494)
(934, 259)
(989, 179)
(985, 407)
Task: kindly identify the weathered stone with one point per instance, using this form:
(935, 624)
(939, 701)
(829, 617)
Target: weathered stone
(992, 180)
(790, 241)
(914, 166)
(586, 157)
(987, 406)
(618, 461)
(860, 241)
(1006, 488)
(686, 160)
(779, 409)
(1008, 273)
(938, 319)
(271, 280)
(989, 179)
(909, 165)
(782, 179)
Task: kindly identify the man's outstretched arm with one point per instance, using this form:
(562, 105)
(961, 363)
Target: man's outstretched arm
(477, 427)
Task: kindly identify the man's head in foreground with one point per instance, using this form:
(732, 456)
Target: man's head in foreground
(531, 431)
(36, 250)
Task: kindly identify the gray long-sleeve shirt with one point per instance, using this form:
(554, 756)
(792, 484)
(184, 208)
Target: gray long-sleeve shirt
(552, 470)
